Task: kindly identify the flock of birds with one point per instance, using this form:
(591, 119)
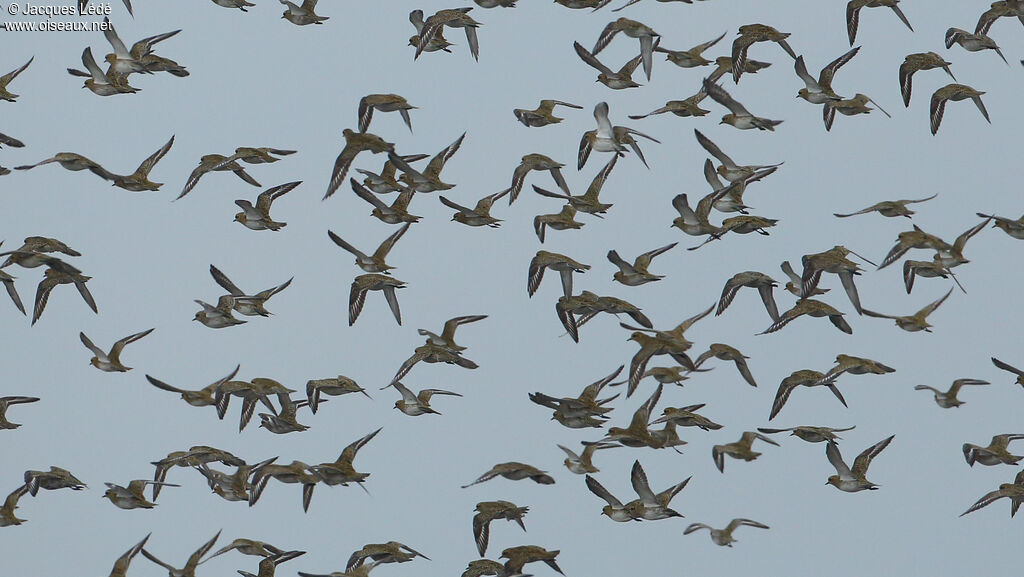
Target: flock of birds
(401, 180)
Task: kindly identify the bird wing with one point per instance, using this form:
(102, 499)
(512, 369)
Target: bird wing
(241, 173)
(599, 490)
(162, 385)
(685, 325)
(719, 95)
(961, 240)
(120, 50)
(705, 45)
(148, 164)
(438, 161)
(719, 457)
(427, 34)
(267, 197)
(834, 457)
(193, 179)
(483, 206)
(937, 108)
(846, 277)
(266, 294)
(713, 150)
(901, 16)
(425, 394)
(931, 307)
(92, 347)
(193, 559)
(907, 70)
(871, 208)
(456, 206)
(986, 499)
(591, 60)
(768, 298)
(584, 150)
(341, 166)
(16, 400)
(407, 395)
(535, 274)
(13, 293)
(144, 47)
(853, 19)
(1006, 367)
(474, 43)
(788, 270)
(6, 78)
(871, 313)
(955, 387)
(741, 366)
(448, 332)
(341, 242)
(748, 522)
(363, 193)
(408, 364)
(392, 298)
(773, 431)
(920, 199)
(356, 299)
(385, 247)
(207, 307)
(10, 141)
(728, 294)
(646, 257)
(781, 396)
(638, 478)
(348, 454)
(402, 163)
(739, 55)
(604, 125)
(696, 527)
(481, 533)
(562, 103)
(569, 452)
(225, 283)
(828, 115)
(93, 68)
(841, 324)
(115, 351)
(624, 266)
(829, 71)
(630, 66)
(150, 556)
(365, 113)
(801, 71)
(598, 182)
(568, 320)
(863, 460)
(606, 36)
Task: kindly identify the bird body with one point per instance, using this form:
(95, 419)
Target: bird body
(111, 362)
(302, 15)
(853, 480)
(487, 511)
(723, 537)
(258, 217)
(514, 471)
(948, 399)
(996, 453)
(739, 450)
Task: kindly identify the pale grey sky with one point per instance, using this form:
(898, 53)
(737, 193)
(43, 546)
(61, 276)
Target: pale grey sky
(258, 80)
